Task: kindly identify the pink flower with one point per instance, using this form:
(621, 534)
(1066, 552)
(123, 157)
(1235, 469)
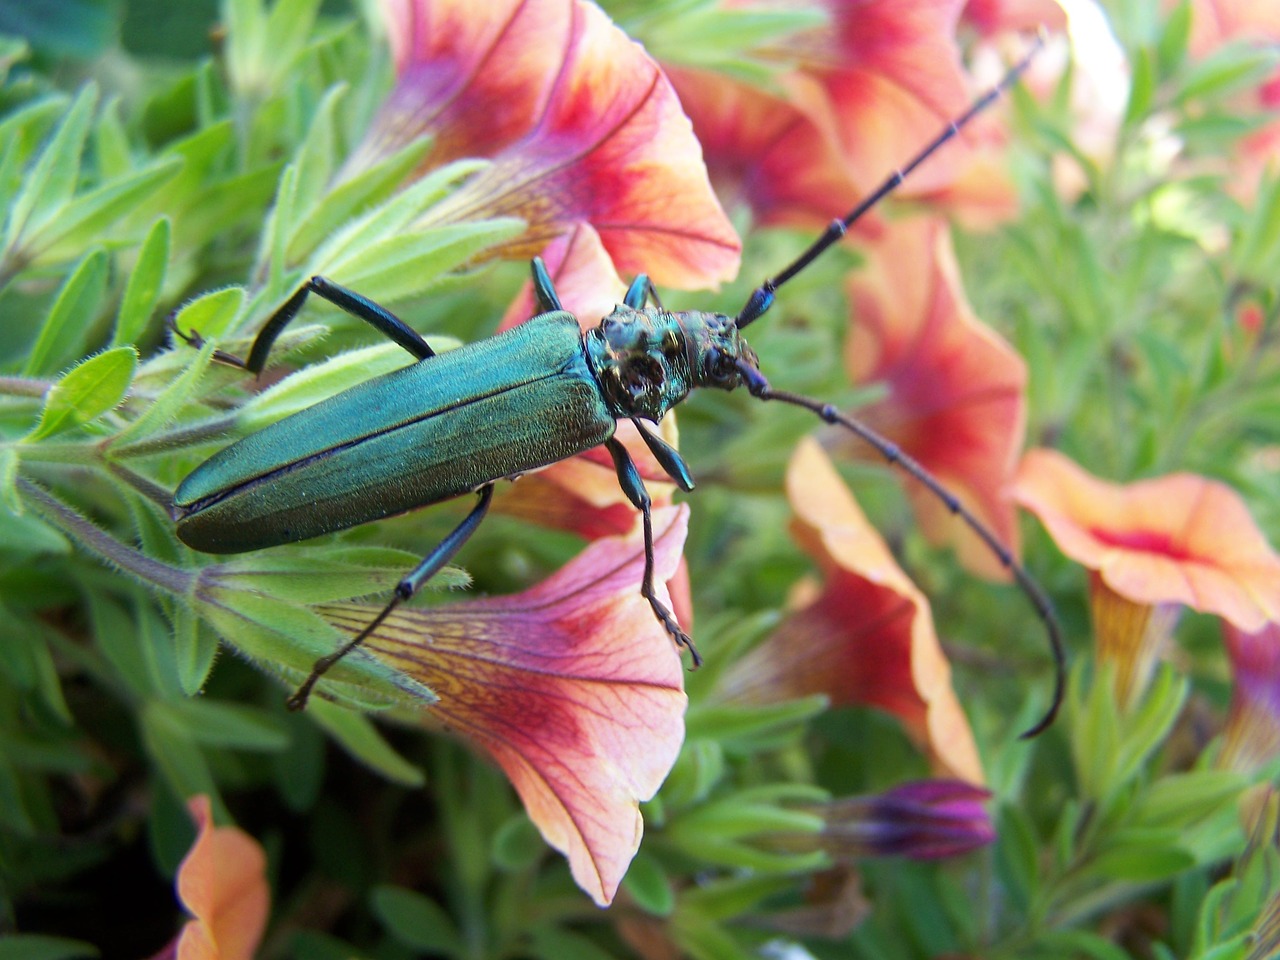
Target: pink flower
(573, 687)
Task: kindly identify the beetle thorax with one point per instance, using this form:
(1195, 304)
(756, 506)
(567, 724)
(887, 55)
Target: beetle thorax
(647, 360)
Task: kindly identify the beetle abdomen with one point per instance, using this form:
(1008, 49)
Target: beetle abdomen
(428, 432)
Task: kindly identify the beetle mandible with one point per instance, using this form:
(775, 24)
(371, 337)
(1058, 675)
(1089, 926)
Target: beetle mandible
(398, 441)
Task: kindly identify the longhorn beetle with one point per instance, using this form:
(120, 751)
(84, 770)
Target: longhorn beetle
(425, 433)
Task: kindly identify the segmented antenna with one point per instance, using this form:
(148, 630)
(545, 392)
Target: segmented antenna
(761, 298)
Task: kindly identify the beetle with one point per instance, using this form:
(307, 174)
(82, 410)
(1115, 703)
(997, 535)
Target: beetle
(435, 430)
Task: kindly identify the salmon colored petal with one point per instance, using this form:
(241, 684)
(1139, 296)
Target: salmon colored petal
(1176, 539)
(956, 391)
(990, 17)
(587, 130)
(584, 278)
(982, 194)
(222, 881)
(892, 71)
(573, 687)
(783, 162)
(869, 636)
(1215, 22)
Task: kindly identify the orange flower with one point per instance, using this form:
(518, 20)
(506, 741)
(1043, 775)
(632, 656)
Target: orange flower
(573, 687)
(990, 17)
(783, 161)
(580, 123)
(222, 882)
(1179, 540)
(891, 70)
(868, 638)
(957, 391)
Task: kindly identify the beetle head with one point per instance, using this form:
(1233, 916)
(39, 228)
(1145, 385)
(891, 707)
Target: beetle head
(647, 360)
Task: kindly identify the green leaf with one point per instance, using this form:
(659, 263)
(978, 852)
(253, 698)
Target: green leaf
(236, 726)
(87, 391)
(175, 753)
(51, 180)
(145, 283)
(417, 921)
(1171, 50)
(212, 315)
(757, 723)
(1142, 89)
(86, 218)
(649, 886)
(194, 650)
(346, 201)
(359, 737)
(1232, 67)
(67, 326)
(517, 845)
(171, 400)
(111, 143)
(555, 943)
(36, 946)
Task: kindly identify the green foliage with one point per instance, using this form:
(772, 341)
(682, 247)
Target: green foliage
(135, 673)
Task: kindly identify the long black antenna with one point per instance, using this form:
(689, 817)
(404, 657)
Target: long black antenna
(761, 298)
(760, 388)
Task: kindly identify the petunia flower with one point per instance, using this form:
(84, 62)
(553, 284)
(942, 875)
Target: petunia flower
(991, 17)
(1153, 546)
(782, 160)
(222, 883)
(891, 70)
(1252, 735)
(572, 687)
(956, 398)
(867, 638)
(579, 122)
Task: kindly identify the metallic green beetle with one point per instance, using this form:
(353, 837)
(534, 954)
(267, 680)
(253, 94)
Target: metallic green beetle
(457, 422)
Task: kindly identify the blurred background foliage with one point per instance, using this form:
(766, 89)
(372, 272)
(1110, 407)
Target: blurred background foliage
(147, 141)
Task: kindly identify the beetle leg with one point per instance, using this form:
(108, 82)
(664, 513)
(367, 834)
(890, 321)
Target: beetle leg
(633, 487)
(544, 291)
(376, 315)
(362, 308)
(641, 292)
(666, 455)
(405, 589)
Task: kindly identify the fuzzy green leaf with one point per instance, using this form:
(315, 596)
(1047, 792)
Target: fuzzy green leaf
(649, 886)
(361, 739)
(87, 391)
(36, 946)
(51, 180)
(66, 328)
(416, 921)
(145, 283)
(84, 219)
(232, 725)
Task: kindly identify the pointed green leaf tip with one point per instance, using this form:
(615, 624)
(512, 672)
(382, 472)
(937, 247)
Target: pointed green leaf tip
(87, 391)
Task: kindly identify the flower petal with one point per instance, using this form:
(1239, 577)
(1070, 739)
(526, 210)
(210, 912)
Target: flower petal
(222, 881)
(957, 391)
(585, 129)
(1176, 539)
(990, 17)
(891, 69)
(762, 150)
(573, 687)
(868, 638)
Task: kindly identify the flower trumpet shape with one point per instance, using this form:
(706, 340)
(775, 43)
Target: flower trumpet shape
(573, 687)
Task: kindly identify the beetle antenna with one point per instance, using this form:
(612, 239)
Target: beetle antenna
(761, 298)
(760, 388)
